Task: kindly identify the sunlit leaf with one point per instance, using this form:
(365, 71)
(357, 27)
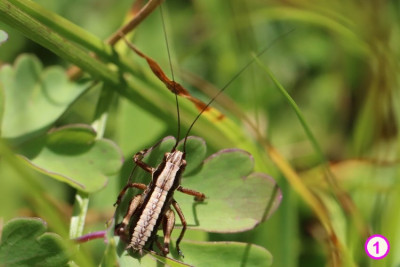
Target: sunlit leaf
(201, 254)
(237, 199)
(73, 155)
(225, 254)
(34, 97)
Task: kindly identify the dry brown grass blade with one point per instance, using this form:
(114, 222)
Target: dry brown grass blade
(173, 86)
(137, 18)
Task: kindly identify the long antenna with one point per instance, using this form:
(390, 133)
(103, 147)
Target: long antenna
(173, 79)
(230, 81)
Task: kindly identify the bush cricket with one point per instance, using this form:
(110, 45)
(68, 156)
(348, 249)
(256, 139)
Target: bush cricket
(152, 208)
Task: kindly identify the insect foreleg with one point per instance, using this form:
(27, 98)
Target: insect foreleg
(198, 195)
(123, 191)
(183, 221)
(137, 158)
(120, 228)
(168, 226)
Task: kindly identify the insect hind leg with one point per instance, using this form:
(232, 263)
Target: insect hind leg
(168, 227)
(126, 187)
(120, 229)
(198, 196)
(184, 225)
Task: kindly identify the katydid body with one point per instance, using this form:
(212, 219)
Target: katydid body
(152, 208)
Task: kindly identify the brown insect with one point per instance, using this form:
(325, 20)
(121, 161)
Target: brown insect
(151, 209)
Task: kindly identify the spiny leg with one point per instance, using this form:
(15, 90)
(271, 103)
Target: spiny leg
(168, 225)
(122, 193)
(126, 187)
(183, 221)
(198, 195)
(137, 158)
(133, 205)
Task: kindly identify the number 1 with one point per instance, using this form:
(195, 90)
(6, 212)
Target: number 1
(377, 246)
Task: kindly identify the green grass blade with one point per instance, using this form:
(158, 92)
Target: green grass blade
(296, 109)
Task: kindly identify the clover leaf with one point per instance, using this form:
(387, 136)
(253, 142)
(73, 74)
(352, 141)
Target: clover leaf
(34, 98)
(73, 155)
(25, 242)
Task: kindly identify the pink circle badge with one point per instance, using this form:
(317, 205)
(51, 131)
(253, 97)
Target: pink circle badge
(377, 247)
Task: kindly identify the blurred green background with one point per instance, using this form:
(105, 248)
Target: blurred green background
(339, 61)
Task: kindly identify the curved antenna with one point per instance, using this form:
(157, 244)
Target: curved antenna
(230, 81)
(173, 79)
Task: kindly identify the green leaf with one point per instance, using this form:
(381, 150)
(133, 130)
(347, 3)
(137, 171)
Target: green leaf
(202, 254)
(34, 98)
(73, 155)
(237, 200)
(148, 260)
(197, 149)
(3, 36)
(110, 256)
(225, 254)
(24, 242)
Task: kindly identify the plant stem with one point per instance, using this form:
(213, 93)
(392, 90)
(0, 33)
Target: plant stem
(102, 109)
(65, 28)
(79, 214)
(139, 17)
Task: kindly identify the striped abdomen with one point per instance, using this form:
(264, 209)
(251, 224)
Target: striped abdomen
(148, 219)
